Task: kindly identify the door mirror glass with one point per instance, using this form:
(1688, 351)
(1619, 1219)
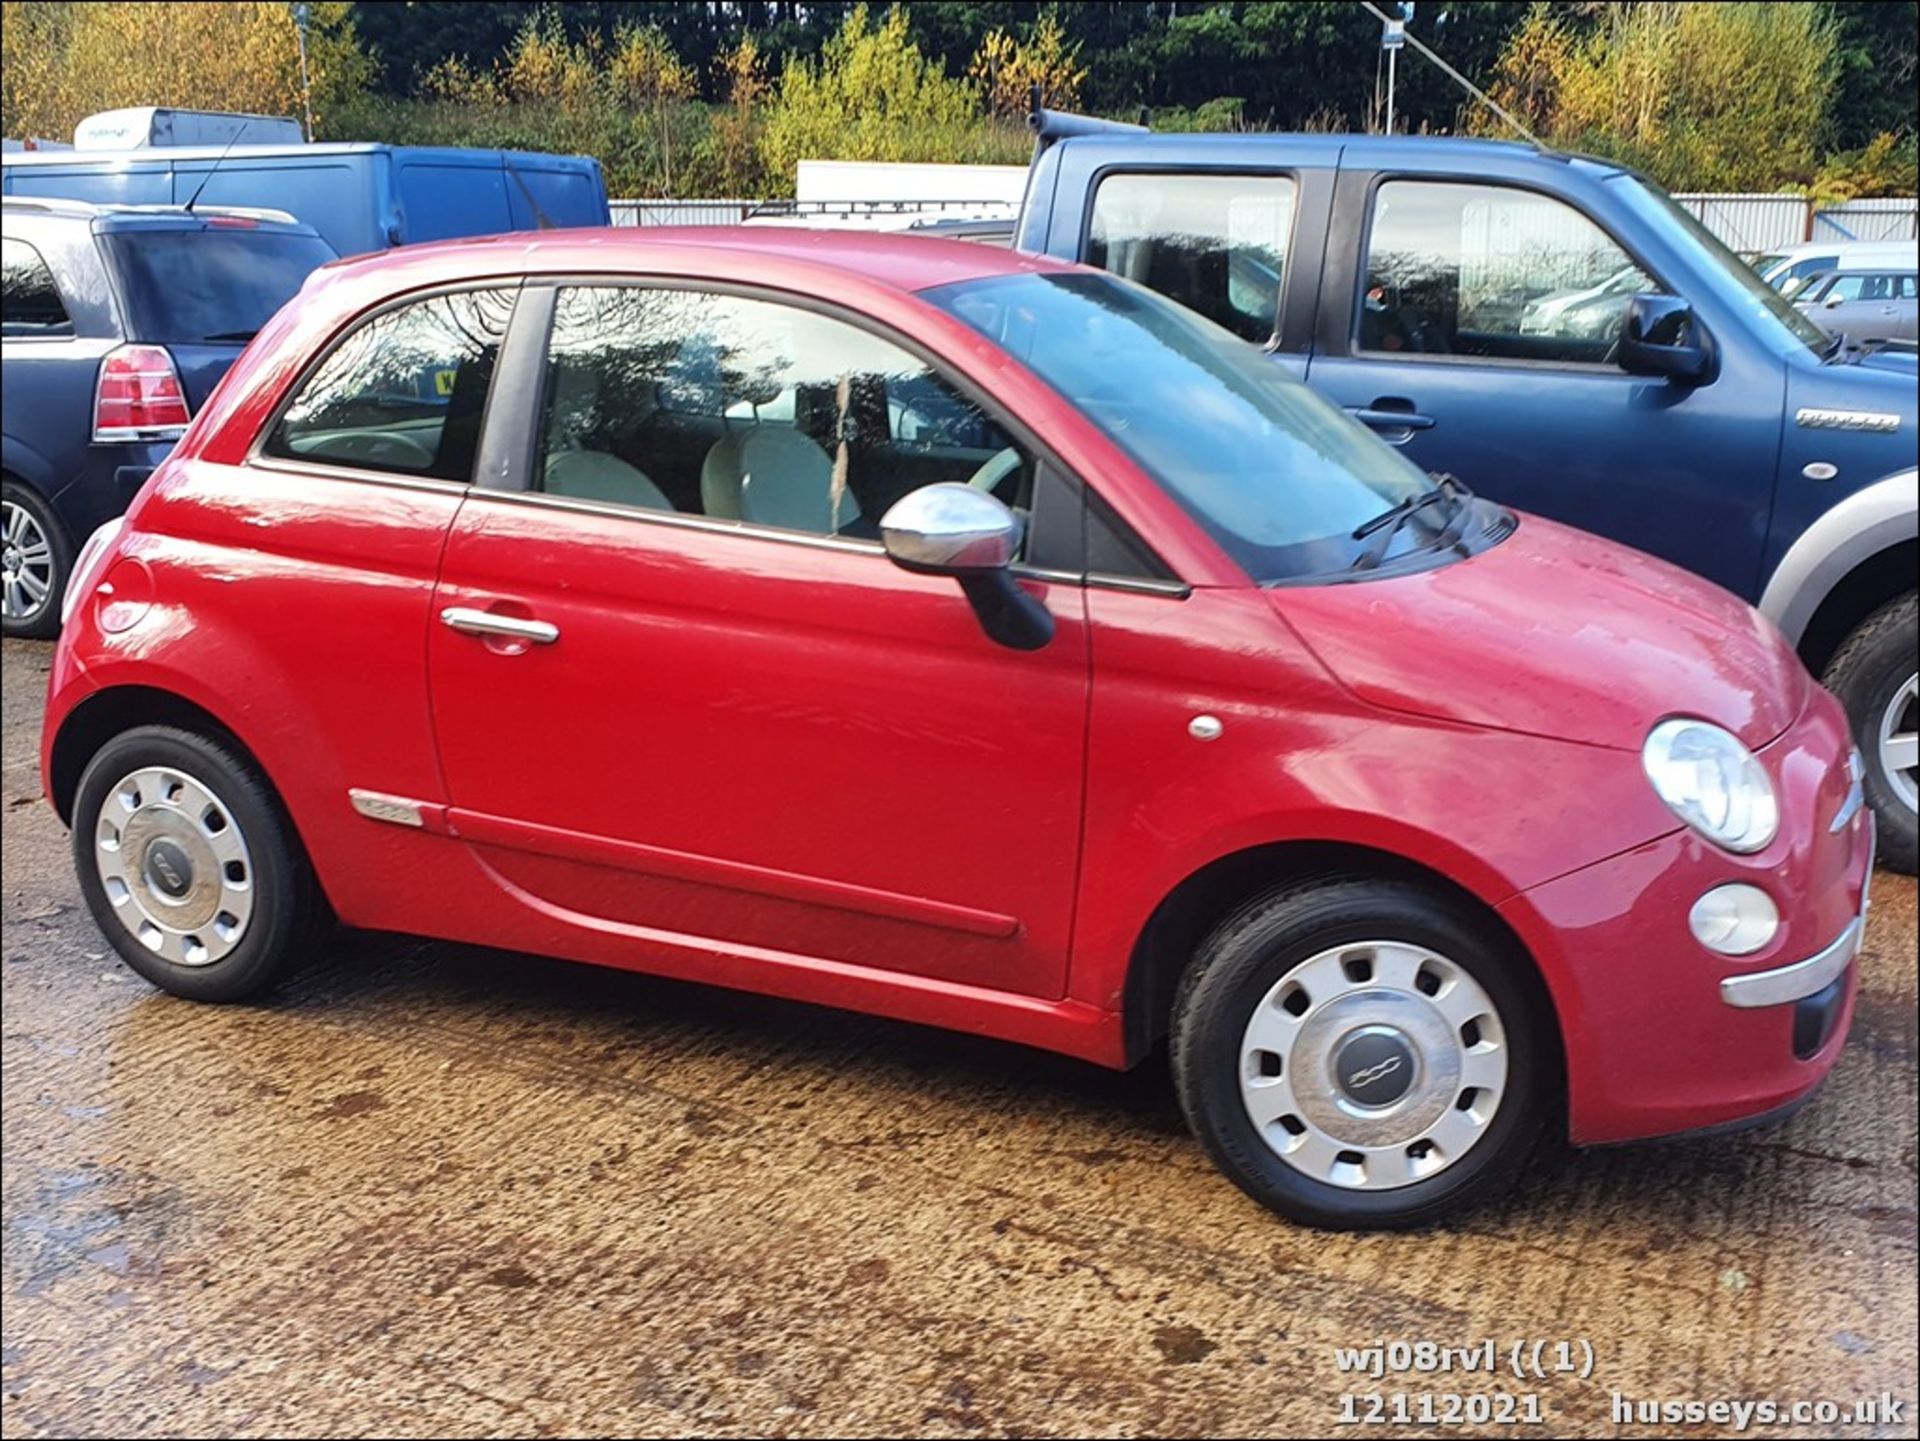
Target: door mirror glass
(1658, 336)
(962, 531)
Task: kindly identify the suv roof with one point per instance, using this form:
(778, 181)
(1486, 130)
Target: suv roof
(87, 210)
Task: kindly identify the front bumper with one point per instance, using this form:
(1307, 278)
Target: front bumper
(1662, 1035)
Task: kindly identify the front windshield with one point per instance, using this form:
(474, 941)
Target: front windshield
(1767, 302)
(1280, 478)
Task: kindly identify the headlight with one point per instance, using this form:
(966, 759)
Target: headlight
(1713, 783)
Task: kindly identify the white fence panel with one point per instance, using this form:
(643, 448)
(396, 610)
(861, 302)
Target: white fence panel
(1869, 220)
(1752, 224)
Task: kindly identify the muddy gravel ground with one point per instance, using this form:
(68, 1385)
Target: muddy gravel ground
(437, 1191)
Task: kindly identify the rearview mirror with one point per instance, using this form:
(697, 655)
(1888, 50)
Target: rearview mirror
(1659, 336)
(953, 529)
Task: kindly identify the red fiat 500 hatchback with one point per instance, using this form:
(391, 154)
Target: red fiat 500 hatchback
(919, 628)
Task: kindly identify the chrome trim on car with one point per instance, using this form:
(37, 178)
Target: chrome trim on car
(1802, 978)
(1856, 796)
(312, 470)
(486, 622)
(1820, 418)
(378, 806)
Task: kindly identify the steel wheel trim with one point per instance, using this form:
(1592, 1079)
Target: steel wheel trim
(1899, 743)
(26, 575)
(1373, 1065)
(174, 865)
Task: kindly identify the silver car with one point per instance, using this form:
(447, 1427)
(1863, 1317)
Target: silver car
(1867, 305)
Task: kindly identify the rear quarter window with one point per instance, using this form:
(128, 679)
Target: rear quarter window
(30, 303)
(404, 392)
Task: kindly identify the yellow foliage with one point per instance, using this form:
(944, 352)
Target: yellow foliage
(1007, 70)
(873, 96)
(1704, 96)
(63, 62)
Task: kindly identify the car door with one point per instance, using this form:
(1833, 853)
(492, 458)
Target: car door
(687, 701)
(1860, 304)
(1444, 325)
(1233, 235)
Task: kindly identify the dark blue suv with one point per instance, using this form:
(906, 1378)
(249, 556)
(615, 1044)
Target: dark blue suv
(118, 322)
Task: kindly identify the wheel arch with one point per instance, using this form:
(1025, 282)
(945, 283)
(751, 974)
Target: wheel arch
(106, 713)
(1204, 898)
(1851, 561)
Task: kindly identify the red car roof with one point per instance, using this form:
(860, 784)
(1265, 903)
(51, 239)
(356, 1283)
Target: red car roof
(901, 261)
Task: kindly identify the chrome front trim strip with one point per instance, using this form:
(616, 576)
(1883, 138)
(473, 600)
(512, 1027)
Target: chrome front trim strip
(1802, 978)
(395, 810)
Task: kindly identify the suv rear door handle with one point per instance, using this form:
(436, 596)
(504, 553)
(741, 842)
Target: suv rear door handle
(1390, 419)
(485, 622)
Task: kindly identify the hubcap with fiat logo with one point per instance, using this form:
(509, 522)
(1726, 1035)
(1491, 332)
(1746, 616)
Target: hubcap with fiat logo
(174, 866)
(1373, 1065)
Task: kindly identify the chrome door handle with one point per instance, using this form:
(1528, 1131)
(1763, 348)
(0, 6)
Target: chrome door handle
(485, 622)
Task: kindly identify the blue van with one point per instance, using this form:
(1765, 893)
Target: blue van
(360, 198)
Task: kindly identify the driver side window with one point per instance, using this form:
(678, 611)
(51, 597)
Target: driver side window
(752, 411)
(1491, 272)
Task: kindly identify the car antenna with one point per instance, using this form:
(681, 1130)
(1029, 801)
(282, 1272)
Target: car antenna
(541, 220)
(216, 165)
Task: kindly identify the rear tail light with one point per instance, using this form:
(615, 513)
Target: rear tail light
(139, 396)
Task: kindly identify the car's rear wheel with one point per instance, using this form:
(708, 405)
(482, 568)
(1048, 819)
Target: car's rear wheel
(37, 558)
(189, 864)
(1875, 676)
(1361, 1053)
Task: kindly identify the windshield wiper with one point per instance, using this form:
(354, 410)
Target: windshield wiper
(1389, 522)
(240, 335)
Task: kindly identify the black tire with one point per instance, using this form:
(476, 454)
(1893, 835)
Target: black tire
(286, 911)
(41, 622)
(1276, 933)
(1868, 673)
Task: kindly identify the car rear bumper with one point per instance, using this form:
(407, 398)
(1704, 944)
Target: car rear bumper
(106, 484)
(1662, 1035)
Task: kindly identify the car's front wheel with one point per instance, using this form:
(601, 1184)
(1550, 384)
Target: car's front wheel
(189, 864)
(33, 572)
(1357, 1052)
(1875, 676)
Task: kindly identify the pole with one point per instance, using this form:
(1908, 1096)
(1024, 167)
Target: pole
(1392, 56)
(306, 90)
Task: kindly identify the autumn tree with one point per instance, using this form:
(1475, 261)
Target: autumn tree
(63, 62)
(873, 96)
(1007, 69)
(1702, 96)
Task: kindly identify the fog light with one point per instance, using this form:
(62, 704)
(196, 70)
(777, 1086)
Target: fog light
(1734, 920)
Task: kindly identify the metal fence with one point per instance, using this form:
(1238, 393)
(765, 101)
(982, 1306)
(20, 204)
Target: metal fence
(1751, 224)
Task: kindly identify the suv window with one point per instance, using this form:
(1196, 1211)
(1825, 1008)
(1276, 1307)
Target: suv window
(1215, 243)
(1483, 270)
(29, 301)
(405, 392)
(752, 411)
(216, 284)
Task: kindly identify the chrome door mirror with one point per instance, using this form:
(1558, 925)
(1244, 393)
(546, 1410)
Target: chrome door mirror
(950, 529)
(953, 529)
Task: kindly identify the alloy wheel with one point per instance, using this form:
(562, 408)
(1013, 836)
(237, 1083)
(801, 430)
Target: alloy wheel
(26, 570)
(1899, 748)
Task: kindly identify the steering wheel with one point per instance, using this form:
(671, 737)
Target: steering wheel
(994, 471)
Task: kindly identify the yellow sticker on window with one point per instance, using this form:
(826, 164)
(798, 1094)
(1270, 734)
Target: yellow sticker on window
(443, 381)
